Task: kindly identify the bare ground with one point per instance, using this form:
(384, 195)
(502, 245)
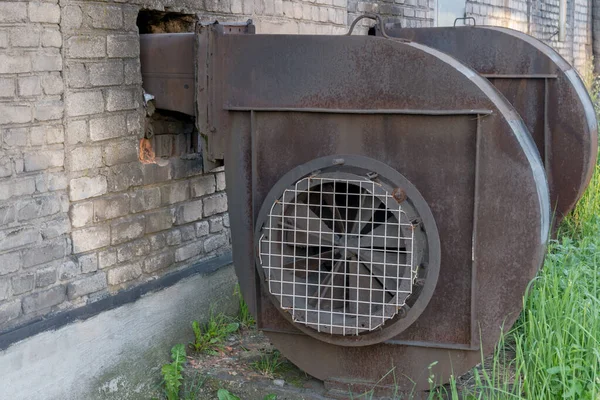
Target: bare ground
(237, 369)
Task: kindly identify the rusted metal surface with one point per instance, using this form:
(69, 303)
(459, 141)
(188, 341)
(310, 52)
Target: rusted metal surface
(287, 100)
(177, 70)
(545, 90)
(399, 195)
(211, 120)
(167, 65)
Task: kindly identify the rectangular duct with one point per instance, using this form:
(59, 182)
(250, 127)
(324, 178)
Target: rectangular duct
(178, 72)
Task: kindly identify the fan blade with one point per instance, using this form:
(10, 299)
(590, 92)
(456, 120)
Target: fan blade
(303, 265)
(388, 266)
(385, 235)
(329, 200)
(298, 236)
(368, 205)
(302, 227)
(381, 257)
(363, 292)
(306, 220)
(332, 283)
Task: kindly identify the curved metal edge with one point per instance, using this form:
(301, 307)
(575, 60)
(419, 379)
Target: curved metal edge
(571, 75)
(433, 242)
(591, 118)
(519, 131)
(576, 81)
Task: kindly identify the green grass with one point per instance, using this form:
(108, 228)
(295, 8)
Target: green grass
(209, 338)
(553, 351)
(245, 318)
(269, 364)
(192, 385)
(584, 221)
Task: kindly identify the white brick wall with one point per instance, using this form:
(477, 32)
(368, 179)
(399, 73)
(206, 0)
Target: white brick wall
(540, 19)
(34, 223)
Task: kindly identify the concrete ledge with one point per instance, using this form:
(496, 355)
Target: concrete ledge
(126, 296)
(116, 354)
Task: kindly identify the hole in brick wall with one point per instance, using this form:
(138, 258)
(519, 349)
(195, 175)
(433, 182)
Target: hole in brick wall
(172, 134)
(167, 133)
(152, 21)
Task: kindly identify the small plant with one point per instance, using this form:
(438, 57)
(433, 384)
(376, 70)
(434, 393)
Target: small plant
(244, 316)
(268, 364)
(224, 394)
(191, 388)
(210, 337)
(171, 373)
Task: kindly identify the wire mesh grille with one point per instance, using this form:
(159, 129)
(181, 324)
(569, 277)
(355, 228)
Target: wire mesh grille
(338, 254)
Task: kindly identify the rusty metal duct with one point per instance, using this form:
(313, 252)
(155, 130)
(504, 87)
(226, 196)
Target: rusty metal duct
(168, 70)
(543, 87)
(388, 206)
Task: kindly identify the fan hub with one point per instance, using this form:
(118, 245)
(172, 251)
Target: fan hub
(345, 246)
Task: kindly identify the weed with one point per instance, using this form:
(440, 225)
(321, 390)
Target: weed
(269, 364)
(224, 394)
(585, 219)
(210, 337)
(245, 318)
(295, 380)
(171, 373)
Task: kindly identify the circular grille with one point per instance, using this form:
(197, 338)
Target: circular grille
(340, 252)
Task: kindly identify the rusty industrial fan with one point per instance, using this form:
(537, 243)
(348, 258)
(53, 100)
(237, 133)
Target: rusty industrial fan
(388, 205)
